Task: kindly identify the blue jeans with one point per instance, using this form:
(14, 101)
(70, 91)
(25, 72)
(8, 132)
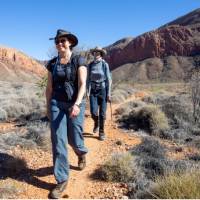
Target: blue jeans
(65, 130)
(98, 103)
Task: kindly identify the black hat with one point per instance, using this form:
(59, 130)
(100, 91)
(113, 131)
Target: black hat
(70, 36)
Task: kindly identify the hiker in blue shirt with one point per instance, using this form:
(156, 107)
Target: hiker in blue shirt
(65, 92)
(99, 89)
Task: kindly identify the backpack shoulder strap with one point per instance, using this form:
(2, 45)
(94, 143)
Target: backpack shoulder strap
(50, 64)
(104, 66)
(89, 69)
(75, 61)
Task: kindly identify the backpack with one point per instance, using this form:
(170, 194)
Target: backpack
(99, 85)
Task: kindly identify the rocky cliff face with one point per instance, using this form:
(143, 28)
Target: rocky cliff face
(16, 66)
(180, 38)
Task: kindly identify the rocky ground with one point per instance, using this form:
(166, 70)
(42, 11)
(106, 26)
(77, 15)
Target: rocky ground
(39, 180)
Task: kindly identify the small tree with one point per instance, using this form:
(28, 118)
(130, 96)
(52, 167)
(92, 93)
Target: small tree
(195, 89)
(41, 85)
(43, 81)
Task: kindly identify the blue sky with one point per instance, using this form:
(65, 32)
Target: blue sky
(27, 24)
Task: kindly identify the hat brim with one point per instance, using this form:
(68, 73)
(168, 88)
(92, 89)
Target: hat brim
(103, 52)
(71, 37)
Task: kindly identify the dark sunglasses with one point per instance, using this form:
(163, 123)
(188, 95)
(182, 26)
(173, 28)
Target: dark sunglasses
(60, 41)
(96, 52)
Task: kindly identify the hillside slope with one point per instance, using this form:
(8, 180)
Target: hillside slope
(17, 67)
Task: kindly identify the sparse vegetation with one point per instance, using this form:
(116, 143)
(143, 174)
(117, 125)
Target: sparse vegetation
(39, 133)
(126, 108)
(41, 86)
(195, 93)
(149, 118)
(8, 191)
(36, 136)
(162, 114)
(150, 147)
(20, 102)
(142, 167)
(177, 186)
(119, 168)
(121, 92)
(3, 115)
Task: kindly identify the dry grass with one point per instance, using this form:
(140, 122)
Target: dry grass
(126, 108)
(20, 101)
(149, 118)
(154, 117)
(176, 186)
(121, 92)
(119, 168)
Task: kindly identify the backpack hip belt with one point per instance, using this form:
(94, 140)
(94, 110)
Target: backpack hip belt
(98, 86)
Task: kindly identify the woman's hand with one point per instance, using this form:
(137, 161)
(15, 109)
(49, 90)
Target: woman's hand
(75, 110)
(108, 99)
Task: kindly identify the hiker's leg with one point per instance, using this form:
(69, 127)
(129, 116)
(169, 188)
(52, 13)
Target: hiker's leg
(102, 114)
(94, 111)
(75, 133)
(59, 141)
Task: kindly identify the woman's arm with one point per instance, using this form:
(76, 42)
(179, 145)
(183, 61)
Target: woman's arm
(82, 77)
(88, 84)
(109, 82)
(48, 94)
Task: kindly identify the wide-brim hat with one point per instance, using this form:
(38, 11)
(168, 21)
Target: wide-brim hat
(68, 35)
(99, 49)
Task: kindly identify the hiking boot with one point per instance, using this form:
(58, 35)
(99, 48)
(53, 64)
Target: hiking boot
(96, 124)
(102, 136)
(101, 129)
(56, 193)
(96, 128)
(81, 162)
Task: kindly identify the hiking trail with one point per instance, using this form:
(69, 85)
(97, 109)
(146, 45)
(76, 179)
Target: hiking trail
(40, 180)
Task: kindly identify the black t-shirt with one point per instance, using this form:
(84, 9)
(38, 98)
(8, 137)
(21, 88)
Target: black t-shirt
(62, 73)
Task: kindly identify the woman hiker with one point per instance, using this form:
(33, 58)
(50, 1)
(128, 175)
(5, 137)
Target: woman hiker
(99, 89)
(65, 96)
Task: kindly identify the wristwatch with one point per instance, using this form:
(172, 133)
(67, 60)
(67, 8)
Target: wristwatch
(77, 104)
